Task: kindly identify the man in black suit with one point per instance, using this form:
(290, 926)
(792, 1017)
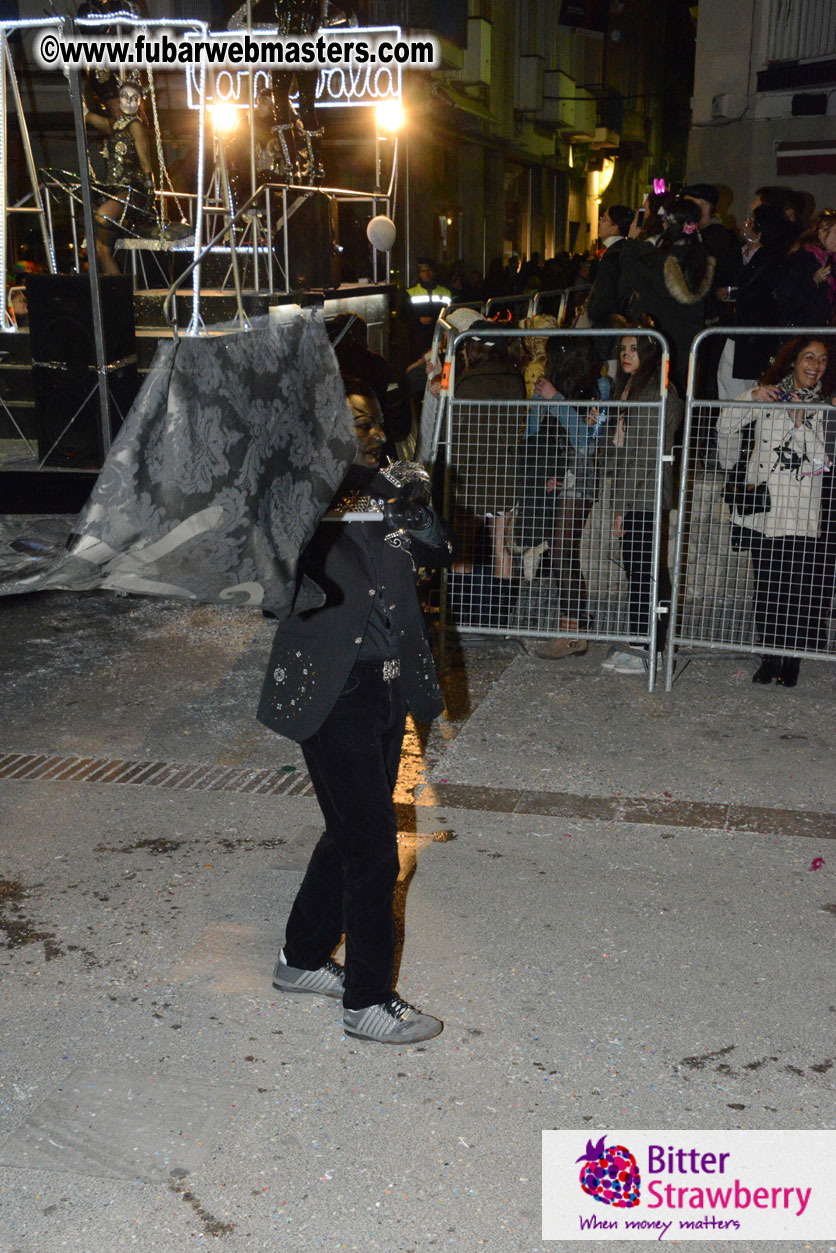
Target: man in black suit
(603, 301)
(345, 667)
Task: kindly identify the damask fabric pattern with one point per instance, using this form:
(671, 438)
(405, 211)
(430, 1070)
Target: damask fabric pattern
(219, 476)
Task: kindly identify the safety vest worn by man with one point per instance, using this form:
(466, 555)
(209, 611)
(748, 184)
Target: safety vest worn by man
(424, 303)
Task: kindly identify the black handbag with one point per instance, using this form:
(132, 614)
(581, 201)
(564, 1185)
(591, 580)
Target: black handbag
(745, 498)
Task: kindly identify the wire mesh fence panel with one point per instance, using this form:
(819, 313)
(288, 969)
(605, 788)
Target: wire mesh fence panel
(429, 424)
(557, 507)
(755, 546)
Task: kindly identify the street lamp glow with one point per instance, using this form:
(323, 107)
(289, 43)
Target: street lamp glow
(390, 116)
(605, 177)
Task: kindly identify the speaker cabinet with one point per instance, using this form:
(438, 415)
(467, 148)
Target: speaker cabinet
(64, 368)
(313, 243)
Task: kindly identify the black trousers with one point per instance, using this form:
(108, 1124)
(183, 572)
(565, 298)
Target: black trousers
(570, 519)
(789, 592)
(350, 880)
(637, 555)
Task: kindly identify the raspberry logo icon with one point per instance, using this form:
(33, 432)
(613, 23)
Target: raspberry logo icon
(610, 1174)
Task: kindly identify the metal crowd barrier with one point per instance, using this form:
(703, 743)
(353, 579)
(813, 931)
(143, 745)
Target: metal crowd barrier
(432, 411)
(537, 553)
(495, 303)
(432, 408)
(568, 302)
(759, 581)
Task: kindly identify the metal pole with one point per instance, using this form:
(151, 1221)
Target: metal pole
(233, 253)
(286, 246)
(48, 209)
(269, 222)
(74, 229)
(406, 239)
(251, 99)
(376, 188)
(6, 323)
(92, 258)
(194, 324)
(683, 489)
(392, 197)
(27, 152)
(656, 561)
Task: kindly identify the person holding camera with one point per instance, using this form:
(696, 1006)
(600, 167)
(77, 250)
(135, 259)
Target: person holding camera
(346, 665)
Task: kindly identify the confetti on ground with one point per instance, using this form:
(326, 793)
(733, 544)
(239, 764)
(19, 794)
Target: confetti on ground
(817, 863)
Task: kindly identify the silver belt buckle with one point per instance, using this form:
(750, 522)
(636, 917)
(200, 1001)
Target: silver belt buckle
(391, 669)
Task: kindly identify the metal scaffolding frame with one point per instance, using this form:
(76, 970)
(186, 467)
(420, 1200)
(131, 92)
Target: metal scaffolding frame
(8, 79)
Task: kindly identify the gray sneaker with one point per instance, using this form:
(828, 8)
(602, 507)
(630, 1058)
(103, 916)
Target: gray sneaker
(625, 661)
(328, 980)
(630, 663)
(391, 1022)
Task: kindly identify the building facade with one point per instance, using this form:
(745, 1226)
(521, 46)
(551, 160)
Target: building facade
(764, 107)
(541, 111)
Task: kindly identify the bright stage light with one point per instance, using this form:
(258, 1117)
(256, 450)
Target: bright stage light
(390, 116)
(224, 117)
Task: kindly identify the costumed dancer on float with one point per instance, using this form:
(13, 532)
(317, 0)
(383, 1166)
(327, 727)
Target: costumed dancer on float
(297, 122)
(345, 667)
(129, 180)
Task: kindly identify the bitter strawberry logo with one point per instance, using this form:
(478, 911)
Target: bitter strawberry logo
(610, 1174)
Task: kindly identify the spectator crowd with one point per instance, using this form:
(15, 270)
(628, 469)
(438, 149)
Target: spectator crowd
(590, 408)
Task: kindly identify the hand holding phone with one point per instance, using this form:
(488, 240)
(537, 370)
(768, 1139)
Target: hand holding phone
(638, 221)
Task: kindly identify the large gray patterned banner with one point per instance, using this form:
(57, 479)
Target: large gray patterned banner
(225, 464)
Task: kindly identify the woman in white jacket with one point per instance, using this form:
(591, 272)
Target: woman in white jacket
(783, 476)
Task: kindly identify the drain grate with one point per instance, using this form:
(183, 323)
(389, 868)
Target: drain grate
(187, 778)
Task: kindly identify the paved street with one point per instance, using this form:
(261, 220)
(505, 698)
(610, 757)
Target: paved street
(606, 894)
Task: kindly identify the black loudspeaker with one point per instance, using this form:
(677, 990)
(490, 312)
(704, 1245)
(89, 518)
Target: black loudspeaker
(313, 243)
(64, 363)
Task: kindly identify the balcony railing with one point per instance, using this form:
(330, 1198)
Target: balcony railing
(800, 30)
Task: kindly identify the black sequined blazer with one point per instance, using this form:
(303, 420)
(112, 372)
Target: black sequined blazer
(316, 647)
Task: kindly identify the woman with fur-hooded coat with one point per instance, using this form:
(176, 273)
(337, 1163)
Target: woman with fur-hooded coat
(670, 284)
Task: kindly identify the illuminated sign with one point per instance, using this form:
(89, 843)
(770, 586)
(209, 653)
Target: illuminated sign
(337, 87)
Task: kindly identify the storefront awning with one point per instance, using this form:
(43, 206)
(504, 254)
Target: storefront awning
(806, 156)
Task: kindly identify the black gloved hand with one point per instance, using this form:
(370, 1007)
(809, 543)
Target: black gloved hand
(406, 514)
(409, 511)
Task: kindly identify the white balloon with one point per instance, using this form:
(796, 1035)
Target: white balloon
(381, 232)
